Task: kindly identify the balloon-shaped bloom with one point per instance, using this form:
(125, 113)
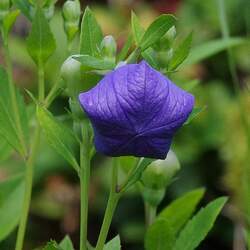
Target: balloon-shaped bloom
(135, 110)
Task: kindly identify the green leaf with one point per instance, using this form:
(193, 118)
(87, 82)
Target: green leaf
(66, 243)
(156, 30)
(8, 128)
(180, 210)
(138, 31)
(5, 149)
(180, 53)
(60, 137)
(195, 112)
(125, 49)
(52, 245)
(114, 244)
(11, 199)
(190, 85)
(199, 226)
(24, 6)
(93, 62)
(159, 236)
(9, 21)
(40, 43)
(137, 172)
(91, 34)
(211, 48)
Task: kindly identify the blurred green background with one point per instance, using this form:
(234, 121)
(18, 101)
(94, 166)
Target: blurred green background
(211, 149)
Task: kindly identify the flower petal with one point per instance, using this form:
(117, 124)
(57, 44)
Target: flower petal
(135, 110)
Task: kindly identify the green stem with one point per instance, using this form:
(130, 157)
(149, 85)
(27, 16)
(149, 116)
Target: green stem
(28, 190)
(111, 206)
(13, 94)
(30, 168)
(84, 182)
(41, 83)
(150, 214)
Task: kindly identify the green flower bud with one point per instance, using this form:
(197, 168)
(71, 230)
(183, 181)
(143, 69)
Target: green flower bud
(70, 69)
(171, 34)
(160, 173)
(4, 8)
(71, 74)
(153, 196)
(71, 14)
(71, 11)
(108, 47)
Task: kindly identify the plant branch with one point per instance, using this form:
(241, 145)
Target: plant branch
(111, 206)
(84, 182)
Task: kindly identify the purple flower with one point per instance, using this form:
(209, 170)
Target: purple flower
(135, 110)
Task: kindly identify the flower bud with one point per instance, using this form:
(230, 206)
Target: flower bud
(70, 69)
(71, 14)
(108, 47)
(153, 196)
(171, 34)
(157, 177)
(159, 173)
(71, 73)
(4, 8)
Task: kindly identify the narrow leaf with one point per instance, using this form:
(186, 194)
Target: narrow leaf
(5, 149)
(195, 112)
(125, 49)
(9, 21)
(91, 34)
(137, 29)
(180, 53)
(114, 244)
(11, 199)
(40, 43)
(59, 136)
(156, 30)
(159, 236)
(199, 226)
(93, 62)
(177, 217)
(66, 243)
(24, 6)
(8, 128)
(211, 48)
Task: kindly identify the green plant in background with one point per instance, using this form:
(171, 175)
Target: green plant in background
(174, 227)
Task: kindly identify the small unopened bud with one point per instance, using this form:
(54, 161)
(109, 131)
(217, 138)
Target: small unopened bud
(160, 173)
(108, 47)
(70, 69)
(171, 34)
(4, 8)
(157, 177)
(71, 74)
(71, 14)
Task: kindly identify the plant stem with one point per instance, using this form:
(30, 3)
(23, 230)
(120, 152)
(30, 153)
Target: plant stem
(13, 94)
(111, 206)
(28, 190)
(30, 168)
(150, 214)
(41, 83)
(84, 182)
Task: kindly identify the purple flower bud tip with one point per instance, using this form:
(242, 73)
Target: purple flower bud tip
(135, 110)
